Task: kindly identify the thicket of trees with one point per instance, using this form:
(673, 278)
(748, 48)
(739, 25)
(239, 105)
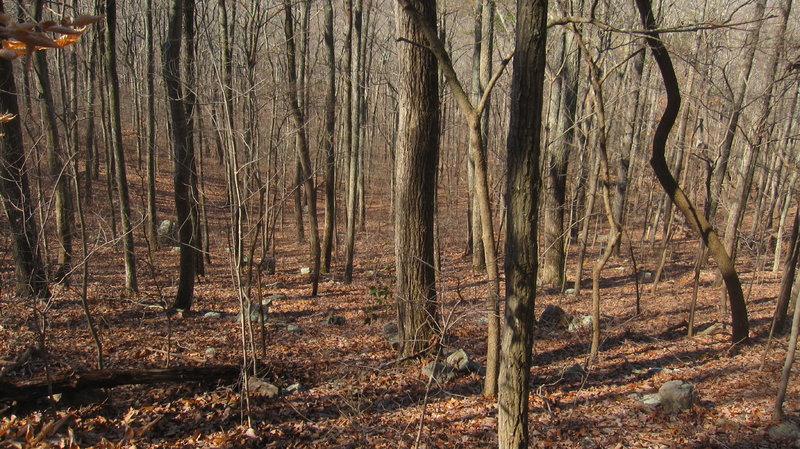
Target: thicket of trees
(288, 99)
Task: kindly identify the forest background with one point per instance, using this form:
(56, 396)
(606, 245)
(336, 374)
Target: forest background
(183, 162)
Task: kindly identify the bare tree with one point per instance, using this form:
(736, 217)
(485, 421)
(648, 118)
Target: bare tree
(415, 180)
(522, 200)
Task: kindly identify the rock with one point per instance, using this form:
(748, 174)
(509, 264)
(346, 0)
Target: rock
(677, 395)
(574, 373)
(292, 388)
(210, 353)
(569, 292)
(580, 323)
(167, 233)
(439, 372)
(645, 276)
(262, 388)
(589, 443)
(458, 360)
(336, 320)
(651, 400)
(305, 270)
(276, 297)
(292, 328)
(785, 431)
(267, 265)
(555, 317)
(391, 333)
(212, 315)
(255, 311)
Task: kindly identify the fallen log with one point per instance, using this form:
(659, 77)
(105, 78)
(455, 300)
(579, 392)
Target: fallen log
(31, 389)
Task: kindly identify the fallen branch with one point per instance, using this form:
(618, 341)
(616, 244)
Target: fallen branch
(28, 390)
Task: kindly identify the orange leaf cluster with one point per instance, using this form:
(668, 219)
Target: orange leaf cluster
(24, 38)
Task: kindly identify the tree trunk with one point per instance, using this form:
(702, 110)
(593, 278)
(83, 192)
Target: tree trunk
(522, 199)
(677, 196)
(303, 154)
(735, 108)
(31, 280)
(152, 211)
(328, 137)
(117, 146)
(183, 158)
(565, 101)
(416, 169)
(354, 148)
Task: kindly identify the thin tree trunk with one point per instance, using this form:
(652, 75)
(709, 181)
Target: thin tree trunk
(675, 193)
(303, 155)
(328, 138)
(118, 148)
(355, 148)
(57, 161)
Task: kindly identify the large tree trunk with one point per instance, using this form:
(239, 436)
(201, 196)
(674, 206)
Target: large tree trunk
(522, 199)
(658, 162)
(183, 158)
(415, 178)
(31, 280)
(120, 174)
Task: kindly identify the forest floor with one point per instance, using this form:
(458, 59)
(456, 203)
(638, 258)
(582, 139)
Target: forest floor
(351, 394)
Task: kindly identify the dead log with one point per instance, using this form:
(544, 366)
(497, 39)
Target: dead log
(31, 389)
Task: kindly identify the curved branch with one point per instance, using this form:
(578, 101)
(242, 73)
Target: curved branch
(740, 325)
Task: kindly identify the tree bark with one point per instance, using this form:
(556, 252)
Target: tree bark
(328, 138)
(522, 196)
(57, 160)
(183, 158)
(303, 154)
(120, 175)
(36, 388)
(415, 180)
(31, 280)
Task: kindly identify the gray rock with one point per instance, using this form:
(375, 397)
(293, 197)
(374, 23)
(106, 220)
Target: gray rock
(255, 311)
(785, 431)
(336, 320)
(578, 323)
(305, 270)
(210, 353)
(458, 360)
(569, 292)
(267, 265)
(574, 373)
(391, 333)
(212, 314)
(677, 395)
(652, 399)
(555, 317)
(262, 388)
(292, 388)
(439, 372)
(292, 328)
(167, 233)
(645, 276)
